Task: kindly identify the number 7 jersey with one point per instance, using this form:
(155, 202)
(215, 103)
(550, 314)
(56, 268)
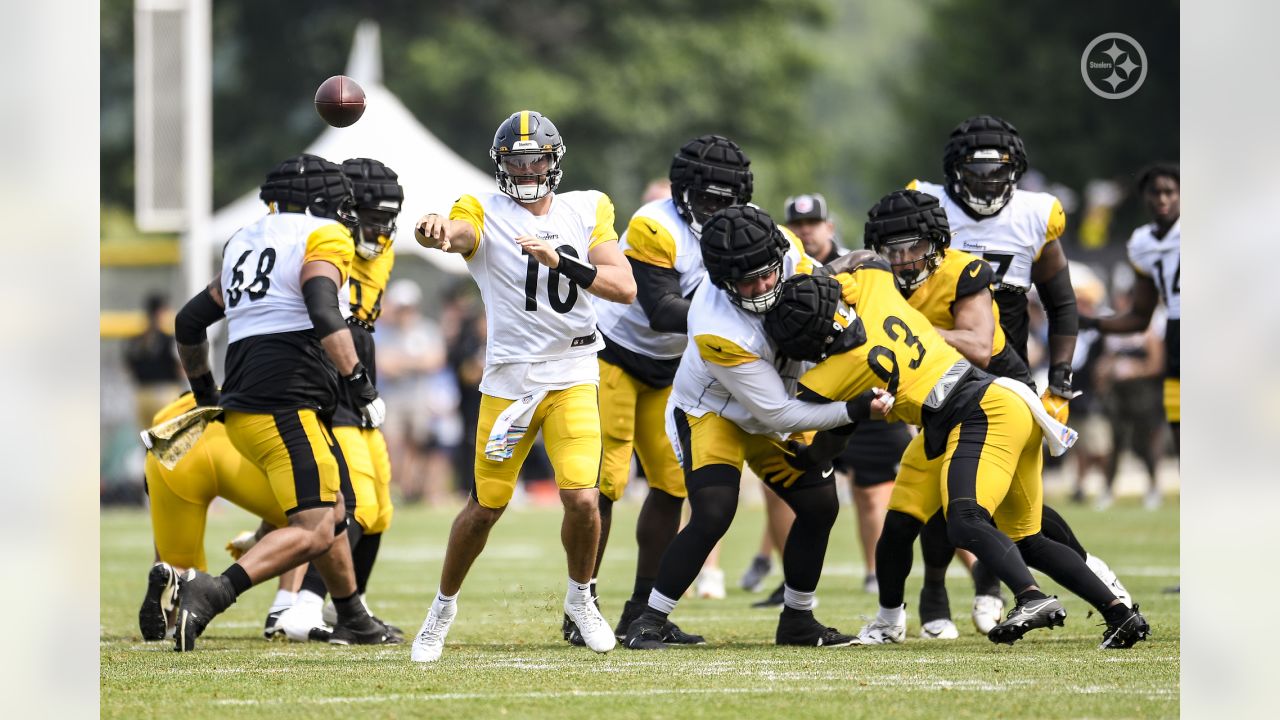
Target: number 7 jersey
(534, 314)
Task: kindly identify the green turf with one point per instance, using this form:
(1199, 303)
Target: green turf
(505, 657)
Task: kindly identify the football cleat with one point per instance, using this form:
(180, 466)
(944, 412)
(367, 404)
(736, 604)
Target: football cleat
(882, 632)
(710, 584)
(569, 628)
(162, 589)
(1126, 633)
(591, 625)
(753, 579)
(987, 610)
(304, 620)
(671, 633)
(1108, 578)
(365, 630)
(1025, 617)
(645, 632)
(429, 644)
(200, 597)
(330, 616)
(271, 628)
(940, 629)
(774, 600)
(800, 627)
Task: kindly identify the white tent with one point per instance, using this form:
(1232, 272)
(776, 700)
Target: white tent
(433, 176)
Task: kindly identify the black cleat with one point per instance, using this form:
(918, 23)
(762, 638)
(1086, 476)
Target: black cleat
(162, 586)
(271, 628)
(645, 632)
(774, 599)
(365, 630)
(391, 629)
(1126, 633)
(671, 633)
(1025, 617)
(800, 627)
(200, 597)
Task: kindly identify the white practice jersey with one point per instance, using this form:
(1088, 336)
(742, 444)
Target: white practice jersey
(534, 313)
(1011, 240)
(724, 333)
(656, 235)
(261, 269)
(1160, 259)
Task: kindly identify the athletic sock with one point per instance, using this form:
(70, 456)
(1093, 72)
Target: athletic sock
(579, 593)
(643, 586)
(444, 603)
(1031, 595)
(363, 556)
(934, 602)
(284, 600)
(313, 582)
(1115, 613)
(660, 603)
(349, 608)
(238, 578)
(797, 600)
(893, 616)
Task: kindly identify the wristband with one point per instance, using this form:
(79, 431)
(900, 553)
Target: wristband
(579, 271)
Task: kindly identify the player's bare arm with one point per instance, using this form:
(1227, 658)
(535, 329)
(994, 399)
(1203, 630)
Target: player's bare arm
(975, 328)
(1145, 298)
(438, 232)
(605, 274)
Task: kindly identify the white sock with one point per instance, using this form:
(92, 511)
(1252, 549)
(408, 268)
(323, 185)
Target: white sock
(797, 600)
(893, 616)
(284, 600)
(661, 603)
(579, 593)
(309, 597)
(444, 603)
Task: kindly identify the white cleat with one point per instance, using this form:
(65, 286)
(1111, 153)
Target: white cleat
(710, 584)
(429, 644)
(1108, 578)
(882, 632)
(304, 619)
(595, 630)
(988, 611)
(940, 629)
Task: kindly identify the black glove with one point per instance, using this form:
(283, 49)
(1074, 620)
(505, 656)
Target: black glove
(364, 396)
(1060, 377)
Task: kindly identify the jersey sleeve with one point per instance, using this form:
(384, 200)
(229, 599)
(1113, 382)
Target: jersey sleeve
(719, 351)
(603, 230)
(331, 243)
(830, 381)
(468, 209)
(648, 241)
(1057, 222)
(975, 277)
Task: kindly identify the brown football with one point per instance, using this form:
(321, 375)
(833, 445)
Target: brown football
(340, 101)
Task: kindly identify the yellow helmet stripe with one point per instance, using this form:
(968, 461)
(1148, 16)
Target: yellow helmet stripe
(524, 124)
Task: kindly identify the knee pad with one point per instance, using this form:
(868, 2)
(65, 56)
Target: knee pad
(965, 520)
(818, 506)
(1031, 546)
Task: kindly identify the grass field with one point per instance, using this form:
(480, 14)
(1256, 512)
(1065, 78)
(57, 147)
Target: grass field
(505, 657)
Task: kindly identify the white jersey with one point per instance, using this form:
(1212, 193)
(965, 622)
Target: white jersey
(1160, 259)
(730, 336)
(1011, 240)
(534, 314)
(261, 269)
(656, 235)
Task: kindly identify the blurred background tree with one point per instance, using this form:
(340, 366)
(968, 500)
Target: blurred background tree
(851, 99)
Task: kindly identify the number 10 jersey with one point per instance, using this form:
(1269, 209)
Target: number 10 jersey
(533, 312)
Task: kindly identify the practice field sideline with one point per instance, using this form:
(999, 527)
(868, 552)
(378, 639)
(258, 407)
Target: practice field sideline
(505, 655)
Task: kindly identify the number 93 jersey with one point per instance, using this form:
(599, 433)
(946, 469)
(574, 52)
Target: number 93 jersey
(534, 313)
(261, 269)
(1010, 240)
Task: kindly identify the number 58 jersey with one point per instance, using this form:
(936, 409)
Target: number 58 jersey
(534, 314)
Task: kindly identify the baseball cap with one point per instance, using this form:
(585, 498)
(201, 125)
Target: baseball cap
(806, 207)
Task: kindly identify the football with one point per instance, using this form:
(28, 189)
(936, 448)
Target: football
(340, 101)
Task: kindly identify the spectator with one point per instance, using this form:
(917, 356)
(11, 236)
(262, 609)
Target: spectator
(152, 361)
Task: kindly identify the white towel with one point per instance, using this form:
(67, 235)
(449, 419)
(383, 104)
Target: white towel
(511, 426)
(1059, 436)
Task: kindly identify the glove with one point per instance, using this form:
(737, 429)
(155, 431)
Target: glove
(364, 396)
(787, 467)
(241, 543)
(1057, 397)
